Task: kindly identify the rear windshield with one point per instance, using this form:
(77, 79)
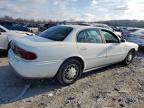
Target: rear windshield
(56, 33)
(132, 30)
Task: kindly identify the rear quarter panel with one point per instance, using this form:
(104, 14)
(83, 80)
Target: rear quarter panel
(55, 51)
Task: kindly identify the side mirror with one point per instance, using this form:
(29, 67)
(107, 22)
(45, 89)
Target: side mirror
(123, 40)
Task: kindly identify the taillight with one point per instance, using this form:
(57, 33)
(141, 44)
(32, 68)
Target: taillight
(24, 54)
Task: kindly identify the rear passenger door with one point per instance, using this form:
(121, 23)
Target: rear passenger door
(91, 47)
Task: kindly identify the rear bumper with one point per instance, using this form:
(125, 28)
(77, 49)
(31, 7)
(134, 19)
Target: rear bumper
(31, 69)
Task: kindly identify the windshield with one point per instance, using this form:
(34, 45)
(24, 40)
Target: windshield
(56, 33)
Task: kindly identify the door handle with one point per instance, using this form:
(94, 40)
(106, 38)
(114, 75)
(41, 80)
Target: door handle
(83, 48)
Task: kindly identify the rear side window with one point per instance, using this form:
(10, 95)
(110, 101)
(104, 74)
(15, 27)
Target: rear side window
(56, 33)
(82, 37)
(94, 36)
(89, 36)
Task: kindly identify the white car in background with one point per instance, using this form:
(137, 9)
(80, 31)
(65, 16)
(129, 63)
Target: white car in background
(108, 28)
(66, 51)
(7, 35)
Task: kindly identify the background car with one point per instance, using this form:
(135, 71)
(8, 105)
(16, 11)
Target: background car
(7, 35)
(136, 35)
(66, 51)
(108, 28)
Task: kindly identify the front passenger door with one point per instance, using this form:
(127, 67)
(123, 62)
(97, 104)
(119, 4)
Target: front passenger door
(91, 47)
(116, 51)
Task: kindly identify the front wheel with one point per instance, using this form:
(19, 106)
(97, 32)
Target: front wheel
(129, 57)
(69, 72)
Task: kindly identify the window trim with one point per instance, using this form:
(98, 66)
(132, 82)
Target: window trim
(77, 34)
(110, 33)
(2, 31)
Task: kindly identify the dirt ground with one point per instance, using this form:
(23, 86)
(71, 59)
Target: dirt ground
(115, 86)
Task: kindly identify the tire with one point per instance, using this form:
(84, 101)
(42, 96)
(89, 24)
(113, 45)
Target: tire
(129, 57)
(69, 72)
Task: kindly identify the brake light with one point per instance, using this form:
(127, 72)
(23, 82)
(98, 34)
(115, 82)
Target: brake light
(24, 54)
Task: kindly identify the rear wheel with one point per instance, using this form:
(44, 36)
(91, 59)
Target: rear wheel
(69, 72)
(129, 57)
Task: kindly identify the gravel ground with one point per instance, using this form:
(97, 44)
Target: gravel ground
(115, 86)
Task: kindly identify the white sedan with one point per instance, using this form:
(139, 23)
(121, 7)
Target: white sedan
(66, 51)
(7, 35)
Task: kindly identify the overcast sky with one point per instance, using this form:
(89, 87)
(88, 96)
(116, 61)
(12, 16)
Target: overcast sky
(84, 10)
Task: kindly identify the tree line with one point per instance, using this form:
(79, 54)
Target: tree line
(115, 23)
(125, 23)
